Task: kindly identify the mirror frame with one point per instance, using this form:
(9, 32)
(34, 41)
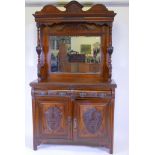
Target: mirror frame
(95, 21)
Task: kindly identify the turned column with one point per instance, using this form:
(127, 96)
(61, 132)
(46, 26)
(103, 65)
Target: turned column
(110, 49)
(38, 50)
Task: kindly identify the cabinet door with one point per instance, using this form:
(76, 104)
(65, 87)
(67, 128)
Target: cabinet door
(54, 118)
(91, 120)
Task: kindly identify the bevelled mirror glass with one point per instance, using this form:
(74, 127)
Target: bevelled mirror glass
(75, 54)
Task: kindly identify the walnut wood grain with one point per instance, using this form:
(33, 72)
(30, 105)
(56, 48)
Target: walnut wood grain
(73, 108)
(93, 22)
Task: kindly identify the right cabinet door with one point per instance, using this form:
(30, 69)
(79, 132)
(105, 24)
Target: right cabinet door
(91, 120)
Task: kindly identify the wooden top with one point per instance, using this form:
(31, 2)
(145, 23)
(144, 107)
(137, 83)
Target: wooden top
(51, 13)
(97, 85)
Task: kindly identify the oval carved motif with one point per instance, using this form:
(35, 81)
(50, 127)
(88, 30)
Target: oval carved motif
(53, 118)
(93, 120)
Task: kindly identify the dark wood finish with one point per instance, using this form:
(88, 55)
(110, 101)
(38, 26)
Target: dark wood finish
(74, 108)
(74, 21)
(53, 116)
(91, 116)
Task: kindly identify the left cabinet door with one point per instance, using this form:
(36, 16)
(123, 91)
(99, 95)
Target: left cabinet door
(54, 118)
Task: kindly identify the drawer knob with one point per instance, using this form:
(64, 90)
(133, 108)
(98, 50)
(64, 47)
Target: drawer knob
(102, 95)
(83, 94)
(62, 94)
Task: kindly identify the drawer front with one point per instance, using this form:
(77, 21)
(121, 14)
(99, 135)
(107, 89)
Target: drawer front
(92, 94)
(74, 93)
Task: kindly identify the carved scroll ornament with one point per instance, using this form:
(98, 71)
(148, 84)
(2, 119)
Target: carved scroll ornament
(53, 118)
(93, 120)
(75, 8)
(74, 28)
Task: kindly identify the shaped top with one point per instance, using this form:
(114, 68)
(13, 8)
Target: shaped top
(74, 9)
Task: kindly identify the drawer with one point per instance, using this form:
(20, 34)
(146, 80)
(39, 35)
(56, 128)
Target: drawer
(73, 93)
(52, 93)
(93, 94)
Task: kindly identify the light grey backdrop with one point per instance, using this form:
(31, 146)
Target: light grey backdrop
(120, 75)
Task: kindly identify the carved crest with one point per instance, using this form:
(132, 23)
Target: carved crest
(73, 7)
(93, 120)
(53, 118)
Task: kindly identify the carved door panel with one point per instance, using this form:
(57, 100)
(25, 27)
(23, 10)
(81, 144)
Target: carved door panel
(54, 119)
(91, 120)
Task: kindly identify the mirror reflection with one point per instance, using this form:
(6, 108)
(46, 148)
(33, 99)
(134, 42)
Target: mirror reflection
(75, 54)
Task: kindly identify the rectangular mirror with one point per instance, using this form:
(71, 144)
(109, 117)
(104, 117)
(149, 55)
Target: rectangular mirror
(75, 54)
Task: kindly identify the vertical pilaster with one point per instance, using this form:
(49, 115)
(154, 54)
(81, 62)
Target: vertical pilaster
(35, 141)
(112, 105)
(45, 51)
(104, 56)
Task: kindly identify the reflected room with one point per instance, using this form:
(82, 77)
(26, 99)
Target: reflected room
(75, 54)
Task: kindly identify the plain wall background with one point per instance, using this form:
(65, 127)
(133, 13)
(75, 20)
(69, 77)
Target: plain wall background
(120, 75)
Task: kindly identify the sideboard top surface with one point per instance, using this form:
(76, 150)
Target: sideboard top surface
(73, 85)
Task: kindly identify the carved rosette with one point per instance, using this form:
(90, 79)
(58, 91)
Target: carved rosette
(93, 120)
(53, 118)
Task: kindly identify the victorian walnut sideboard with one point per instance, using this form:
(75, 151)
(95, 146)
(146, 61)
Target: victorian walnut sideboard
(73, 97)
